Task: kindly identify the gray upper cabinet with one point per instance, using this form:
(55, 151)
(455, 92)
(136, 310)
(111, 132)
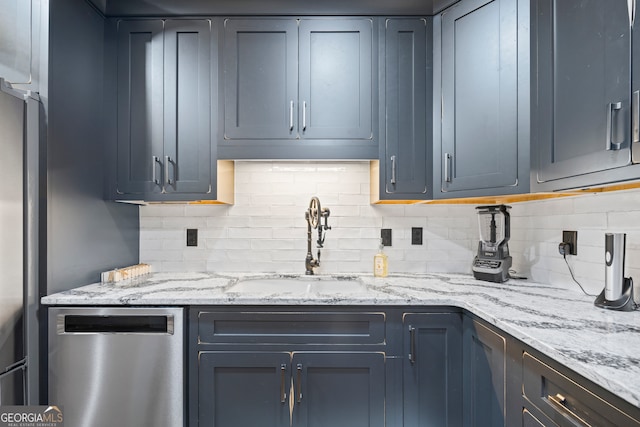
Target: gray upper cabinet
(405, 157)
(481, 86)
(583, 91)
(298, 89)
(164, 105)
(187, 111)
(260, 78)
(140, 85)
(335, 79)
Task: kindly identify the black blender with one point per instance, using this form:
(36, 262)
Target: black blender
(492, 263)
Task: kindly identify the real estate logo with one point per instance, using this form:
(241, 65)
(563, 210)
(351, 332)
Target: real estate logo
(31, 416)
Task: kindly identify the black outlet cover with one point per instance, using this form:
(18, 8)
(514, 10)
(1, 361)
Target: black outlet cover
(416, 235)
(571, 237)
(192, 237)
(385, 234)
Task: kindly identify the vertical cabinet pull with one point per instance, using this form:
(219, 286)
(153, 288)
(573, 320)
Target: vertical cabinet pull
(154, 178)
(167, 160)
(412, 345)
(447, 167)
(393, 170)
(613, 107)
(635, 116)
(299, 381)
(291, 116)
(304, 115)
(283, 388)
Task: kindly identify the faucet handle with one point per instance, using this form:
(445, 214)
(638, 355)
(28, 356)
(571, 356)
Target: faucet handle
(325, 214)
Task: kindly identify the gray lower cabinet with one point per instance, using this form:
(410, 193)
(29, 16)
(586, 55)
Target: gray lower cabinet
(164, 105)
(481, 99)
(371, 367)
(259, 389)
(298, 88)
(555, 397)
(432, 375)
(244, 389)
(484, 372)
(405, 119)
(274, 367)
(581, 120)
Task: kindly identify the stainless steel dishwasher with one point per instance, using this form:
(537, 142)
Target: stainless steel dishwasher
(117, 366)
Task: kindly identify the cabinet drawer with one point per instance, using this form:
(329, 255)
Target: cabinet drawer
(566, 402)
(297, 328)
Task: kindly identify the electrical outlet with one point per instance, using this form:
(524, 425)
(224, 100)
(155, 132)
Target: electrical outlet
(416, 235)
(192, 237)
(385, 234)
(571, 237)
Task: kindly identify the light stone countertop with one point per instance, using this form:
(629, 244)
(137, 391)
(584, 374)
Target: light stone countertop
(601, 345)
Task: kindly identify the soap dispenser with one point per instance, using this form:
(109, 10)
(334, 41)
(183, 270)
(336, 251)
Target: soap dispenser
(380, 262)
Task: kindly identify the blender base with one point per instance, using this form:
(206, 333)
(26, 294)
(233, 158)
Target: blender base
(491, 270)
(624, 303)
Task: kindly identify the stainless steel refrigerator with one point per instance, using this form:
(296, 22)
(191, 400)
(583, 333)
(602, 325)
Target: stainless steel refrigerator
(17, 118)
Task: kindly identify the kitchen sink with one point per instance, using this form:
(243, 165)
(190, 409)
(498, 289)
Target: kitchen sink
(299, 285)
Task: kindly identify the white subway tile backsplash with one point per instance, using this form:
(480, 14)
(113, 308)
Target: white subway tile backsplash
(226, 244)
(162, 211)
(250, 233)
(180, 266)
(265, 231)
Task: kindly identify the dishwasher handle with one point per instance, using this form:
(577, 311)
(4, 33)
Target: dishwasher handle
(114, 324)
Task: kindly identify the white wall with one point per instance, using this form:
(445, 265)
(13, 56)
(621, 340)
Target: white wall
(265, 231)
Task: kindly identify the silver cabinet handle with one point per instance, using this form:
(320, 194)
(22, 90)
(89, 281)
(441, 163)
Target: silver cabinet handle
(447, 167)
(291, 116)
(304, 115)
(154, 178)
(299, 380)
(613, 107)
(635, 116)
(560, 402)
(393, 170)
(412, 345)
(283, 389)
(167, 160)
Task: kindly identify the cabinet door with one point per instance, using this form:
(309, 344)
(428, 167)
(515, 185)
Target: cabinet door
(484, 368)
(261, 79)
(406, 89)
(432, 374)
(243, 389)
(187, 106)
(140, 106)
(338, 389)
(479, 146)
(335, 79)
(582, 114)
